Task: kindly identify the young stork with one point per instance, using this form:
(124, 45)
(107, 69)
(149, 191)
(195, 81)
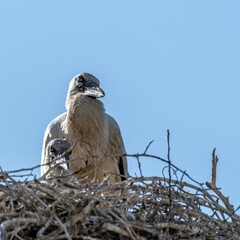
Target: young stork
(58, 152)
(98, 148)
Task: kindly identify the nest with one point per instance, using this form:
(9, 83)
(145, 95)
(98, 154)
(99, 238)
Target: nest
(139, 208)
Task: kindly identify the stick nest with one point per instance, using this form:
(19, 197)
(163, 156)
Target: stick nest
(139, 208)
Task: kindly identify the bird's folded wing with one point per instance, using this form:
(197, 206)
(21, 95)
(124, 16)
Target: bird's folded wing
(116, 147)
(53, 130)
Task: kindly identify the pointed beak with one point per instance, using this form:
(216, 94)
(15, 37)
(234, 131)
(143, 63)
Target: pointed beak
(93, 90)
(62, 161)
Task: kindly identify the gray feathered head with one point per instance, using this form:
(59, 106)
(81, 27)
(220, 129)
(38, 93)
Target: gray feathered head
(86, 85)
(58, 151)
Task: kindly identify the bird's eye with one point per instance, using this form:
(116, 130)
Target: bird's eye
(81, 79)
(52, 149)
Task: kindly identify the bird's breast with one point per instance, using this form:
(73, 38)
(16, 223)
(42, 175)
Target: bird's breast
(87, 129)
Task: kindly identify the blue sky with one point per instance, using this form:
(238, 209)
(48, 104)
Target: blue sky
(162, 64)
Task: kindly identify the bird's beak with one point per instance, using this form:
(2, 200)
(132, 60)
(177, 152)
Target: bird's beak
(92, 90)
(62, 161)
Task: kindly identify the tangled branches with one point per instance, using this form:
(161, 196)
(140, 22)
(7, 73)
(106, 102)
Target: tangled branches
(139, 208)
(59, 210)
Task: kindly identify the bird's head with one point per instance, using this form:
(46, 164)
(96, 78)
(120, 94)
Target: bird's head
(59, 151)
(87, 85)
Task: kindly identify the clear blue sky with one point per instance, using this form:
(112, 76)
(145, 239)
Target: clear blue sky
(163, 65)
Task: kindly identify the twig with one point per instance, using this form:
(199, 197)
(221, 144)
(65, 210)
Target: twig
(139, 166)
(169, 172)
(14, 222)
(148, 147)
(166, 161)
(45, 227)
(62, 225)
(62, 208)
(224, 199)
(85, 211)
(114, 228)
(214, 167)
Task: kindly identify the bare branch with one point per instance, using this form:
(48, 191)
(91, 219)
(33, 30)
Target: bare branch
(142, 208)
(139, 166)
(150, 143)
(169, 175)
(214, 167)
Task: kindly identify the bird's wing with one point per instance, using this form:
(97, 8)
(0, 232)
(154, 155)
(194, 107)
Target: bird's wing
(54, 130)
(116, 147)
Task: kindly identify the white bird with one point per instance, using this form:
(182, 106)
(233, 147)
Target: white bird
(98, 148)
(58, 152)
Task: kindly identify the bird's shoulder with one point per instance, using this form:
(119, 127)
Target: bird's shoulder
(115, 136)
(58, 120)
(112, 123)
(54, 128)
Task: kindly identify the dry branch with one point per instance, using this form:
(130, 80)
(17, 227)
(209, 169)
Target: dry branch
(139, 208)
(56, 209)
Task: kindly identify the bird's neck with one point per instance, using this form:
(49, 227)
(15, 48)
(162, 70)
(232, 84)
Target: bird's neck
(86, 121)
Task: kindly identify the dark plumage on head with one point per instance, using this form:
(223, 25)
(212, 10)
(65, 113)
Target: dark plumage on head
(85, 84)
(59, 151)
(58, 146)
